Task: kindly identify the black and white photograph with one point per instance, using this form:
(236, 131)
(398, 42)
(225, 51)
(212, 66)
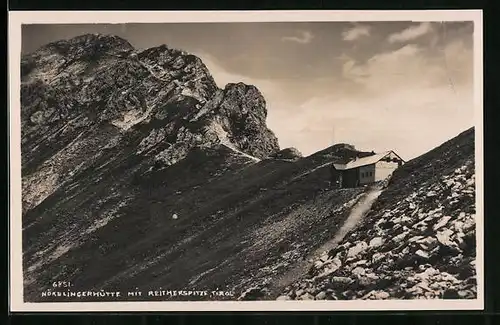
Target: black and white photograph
(246, 161)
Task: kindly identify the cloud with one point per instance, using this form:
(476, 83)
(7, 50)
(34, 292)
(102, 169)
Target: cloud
(410, 33)
(403, 101)
(398, 100)
(356, 33)
(385, 70)
(412, 66)
(410, 121)
(304, 38)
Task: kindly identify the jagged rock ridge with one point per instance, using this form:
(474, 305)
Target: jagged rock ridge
(164, 97)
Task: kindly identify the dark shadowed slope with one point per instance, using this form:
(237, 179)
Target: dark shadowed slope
(240, 224)
(418, 241)
(115, 142)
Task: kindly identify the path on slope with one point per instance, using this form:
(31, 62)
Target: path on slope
(302, 267)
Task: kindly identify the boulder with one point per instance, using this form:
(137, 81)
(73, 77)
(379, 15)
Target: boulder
(357, 249)
(359, 271)
(376, 242)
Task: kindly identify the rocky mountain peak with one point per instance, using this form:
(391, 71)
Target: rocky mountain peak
(245, 112)
(159, 103)
(84, 47)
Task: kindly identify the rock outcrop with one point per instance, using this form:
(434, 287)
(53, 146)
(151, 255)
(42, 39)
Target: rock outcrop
(288, 154)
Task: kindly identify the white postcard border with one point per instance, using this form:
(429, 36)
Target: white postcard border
(17, 18)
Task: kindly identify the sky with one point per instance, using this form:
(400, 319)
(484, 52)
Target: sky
(403, 86)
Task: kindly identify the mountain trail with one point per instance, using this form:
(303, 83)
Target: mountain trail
(228, 145)
(359, 210)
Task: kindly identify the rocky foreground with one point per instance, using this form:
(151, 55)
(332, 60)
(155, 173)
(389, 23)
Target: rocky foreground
(417, 242)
